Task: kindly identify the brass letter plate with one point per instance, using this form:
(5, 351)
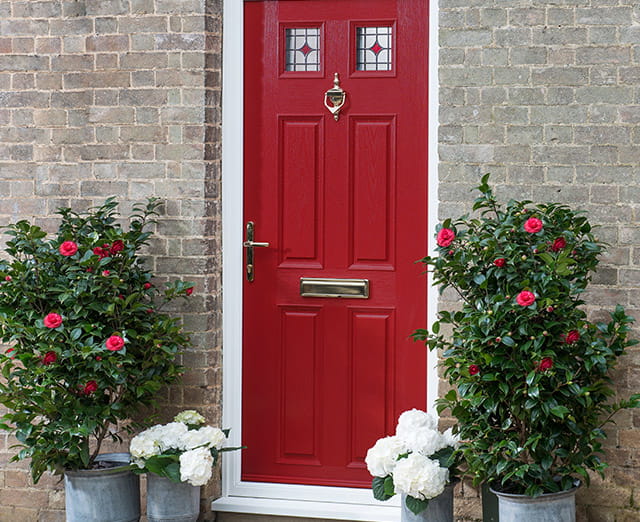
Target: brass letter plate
(351, 288)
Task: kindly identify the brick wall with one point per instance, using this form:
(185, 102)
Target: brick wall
(546, 96)
(117, 97)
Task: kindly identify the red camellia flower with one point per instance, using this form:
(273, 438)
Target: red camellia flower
(100, 252)
(189, 290)
(105, 273)
(7, 278)
(115, 343)
(474, 369)
(558, 244)
(49, 358)
(525, 298)
(545, 364)
(147, 286)
(445, 237)
(500, 262)
(572, 337)
(98, 358)
(52, 320)
(118, 246)
(533, 225)
(90, 387)
(68, 248)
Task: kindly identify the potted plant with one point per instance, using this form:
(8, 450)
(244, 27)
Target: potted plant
(530, 371)
(88, 347)
(420, 463)
(178, 458)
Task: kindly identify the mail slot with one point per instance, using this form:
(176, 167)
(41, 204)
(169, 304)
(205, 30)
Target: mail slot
(345, 288)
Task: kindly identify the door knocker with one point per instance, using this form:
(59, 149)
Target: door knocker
(336, 96)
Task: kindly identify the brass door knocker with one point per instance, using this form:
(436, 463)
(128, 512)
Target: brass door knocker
(336, 96)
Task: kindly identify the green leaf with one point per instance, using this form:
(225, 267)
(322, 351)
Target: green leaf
(560, 411)
(378, 487)
(416, 506)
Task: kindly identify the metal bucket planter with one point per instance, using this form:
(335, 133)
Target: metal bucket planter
(440, 509)
(103, 495)
(550, 507)
(171, 502)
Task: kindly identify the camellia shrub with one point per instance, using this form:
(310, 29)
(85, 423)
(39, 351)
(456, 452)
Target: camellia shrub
(87, 344)
(530, 372)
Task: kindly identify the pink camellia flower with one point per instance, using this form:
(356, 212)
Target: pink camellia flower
(525, 298)
(445, 237)
(572, 337)
(559, 244)
(500, 262)
(533, 225)
(115, 343)
(52, 320)
(90, 387)
(49, 358)
(118, 246)
(189, 290)
(147, 286)
(105, 273)
(545, 364)
(68, 248)
(474, 369)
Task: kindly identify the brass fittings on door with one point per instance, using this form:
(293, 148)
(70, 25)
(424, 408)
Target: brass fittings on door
(249, 245)
(336, 96)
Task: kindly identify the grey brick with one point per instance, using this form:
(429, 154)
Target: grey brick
(603, 16)
(603, 55)
(464, 38)
(466, 153)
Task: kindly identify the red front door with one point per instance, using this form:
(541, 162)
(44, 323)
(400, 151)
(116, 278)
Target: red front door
(324, 377)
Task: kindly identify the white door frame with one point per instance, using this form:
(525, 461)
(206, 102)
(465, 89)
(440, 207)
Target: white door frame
(285, 499)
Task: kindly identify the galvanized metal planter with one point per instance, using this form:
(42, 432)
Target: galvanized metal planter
(171, 502)
(440, 509)
(103, 495)
(550, 507)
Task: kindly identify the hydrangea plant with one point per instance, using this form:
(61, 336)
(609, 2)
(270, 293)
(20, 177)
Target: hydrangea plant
(182, 451)
(87, 345)
(418, 461)
(532, 390)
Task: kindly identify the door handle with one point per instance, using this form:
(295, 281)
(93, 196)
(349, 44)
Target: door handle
(249, 245)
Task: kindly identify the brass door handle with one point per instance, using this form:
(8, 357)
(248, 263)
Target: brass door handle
(250, 244)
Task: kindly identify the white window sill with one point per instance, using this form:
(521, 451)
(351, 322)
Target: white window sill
(306, 509)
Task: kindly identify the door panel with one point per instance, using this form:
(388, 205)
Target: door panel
(323, 378)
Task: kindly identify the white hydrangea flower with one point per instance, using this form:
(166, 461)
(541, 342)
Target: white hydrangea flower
(420, 477)
(196, 466)
(424, 440)
(189, 417)
(381, 459)
(449, 439)
(170, 435)
(414, 419)
(206, 436)
(143, 446)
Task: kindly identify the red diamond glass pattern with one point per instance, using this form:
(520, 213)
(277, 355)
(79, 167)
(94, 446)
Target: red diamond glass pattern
(374, 48)
(302, 49)
(305, 49)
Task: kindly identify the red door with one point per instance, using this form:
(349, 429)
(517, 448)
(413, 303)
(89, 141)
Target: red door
(346, 199)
